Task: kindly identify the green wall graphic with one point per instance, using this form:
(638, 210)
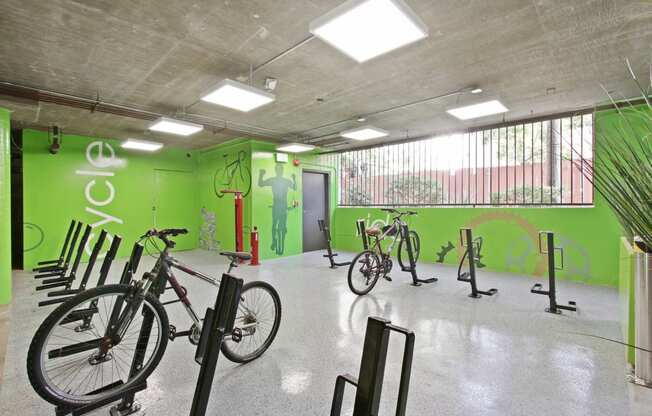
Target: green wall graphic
(5, 208)
(96, 181)
(280, 187)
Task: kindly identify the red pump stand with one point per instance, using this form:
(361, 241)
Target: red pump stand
(254, 248)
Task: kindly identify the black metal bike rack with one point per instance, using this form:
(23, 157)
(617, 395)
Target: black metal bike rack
(63, 280)
(549, 251)
(218, 323)
(327, 235)
(362, 231)
(68, 291)
(412, 268)
(53, 265)
(131, 266)
(472, 254)
(369, 383)
(62, 269)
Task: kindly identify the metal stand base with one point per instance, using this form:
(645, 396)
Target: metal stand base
(120, 410)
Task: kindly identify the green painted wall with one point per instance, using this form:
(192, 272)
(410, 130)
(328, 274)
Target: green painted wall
(226, 166)
(626, 287)
(5, 208)
(97, 182)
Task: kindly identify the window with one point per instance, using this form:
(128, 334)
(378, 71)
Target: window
(544, 162)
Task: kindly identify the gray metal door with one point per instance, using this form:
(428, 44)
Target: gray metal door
(315, 207)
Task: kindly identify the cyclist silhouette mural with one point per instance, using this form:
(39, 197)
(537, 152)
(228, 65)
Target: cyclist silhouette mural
(280, 188)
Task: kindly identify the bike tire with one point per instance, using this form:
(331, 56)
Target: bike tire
(374, 263)
(218, 174)
(229, 347)
(34, 356)
(246, 180)
(403, 257)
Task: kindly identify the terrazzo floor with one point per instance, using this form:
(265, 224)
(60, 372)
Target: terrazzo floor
(498, 355)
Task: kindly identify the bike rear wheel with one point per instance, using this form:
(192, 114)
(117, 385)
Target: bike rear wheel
(403, 256)
(257, 319)
(364, 272)
(70, 359)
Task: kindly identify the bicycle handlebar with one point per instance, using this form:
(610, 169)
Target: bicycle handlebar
(395, 211)
(165, 232)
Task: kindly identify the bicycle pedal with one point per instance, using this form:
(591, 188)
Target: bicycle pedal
(388, 278)
(173, 332)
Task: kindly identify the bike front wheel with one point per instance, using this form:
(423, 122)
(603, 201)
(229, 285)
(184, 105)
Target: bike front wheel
(403, 256)
(364, 272)
(257, 320)
(71, 361)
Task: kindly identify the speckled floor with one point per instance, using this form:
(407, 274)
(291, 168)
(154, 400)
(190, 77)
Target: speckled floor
(494, 356)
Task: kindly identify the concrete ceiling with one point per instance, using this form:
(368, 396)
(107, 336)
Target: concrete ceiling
(537, 56)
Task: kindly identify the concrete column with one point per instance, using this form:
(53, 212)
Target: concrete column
(5, 208)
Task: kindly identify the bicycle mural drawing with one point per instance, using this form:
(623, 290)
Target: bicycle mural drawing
(234, 175)
(280, 188)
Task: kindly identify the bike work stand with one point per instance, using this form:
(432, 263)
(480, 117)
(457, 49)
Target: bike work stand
(472, 253)
(327, 234)
(412, 268)
(53, 265)
(552, 291)
(369, 383)
(218, 324)
(239, 203)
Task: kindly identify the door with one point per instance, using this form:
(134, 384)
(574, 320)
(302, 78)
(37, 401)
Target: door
(315, 207)
(176, 205)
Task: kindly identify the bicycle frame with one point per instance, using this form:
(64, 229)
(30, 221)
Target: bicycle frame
(396, 223)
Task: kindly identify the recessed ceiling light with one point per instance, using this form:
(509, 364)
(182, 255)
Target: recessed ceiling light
(364, 29)
(238, 96)
(364, 133)
(169, 125)
(478, 110)
(476, 91)
(141, 145)
(295, 148)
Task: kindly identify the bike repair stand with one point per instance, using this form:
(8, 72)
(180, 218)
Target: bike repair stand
(327, 234)
(239, 204)
(218, 324)
(412, 268)
(369, 383)
(472, 253)
(552, 291)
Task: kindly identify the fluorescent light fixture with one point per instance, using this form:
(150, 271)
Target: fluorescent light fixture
(238, 96)
(476, 91)
(364, 29)
(169, 125)
(295, 148)
(478, 110)
(365, 133)
(141, 145)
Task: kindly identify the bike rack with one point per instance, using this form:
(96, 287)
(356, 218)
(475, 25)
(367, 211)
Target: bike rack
(87, 274)
(52, 265)
(327, 234)
(362, 228)
(412, 268)
(131, 266)
(552, 291)
(60, 271)
(63, 280)
(82, 410)
(369, 383)
(218, 323)
(472, 253)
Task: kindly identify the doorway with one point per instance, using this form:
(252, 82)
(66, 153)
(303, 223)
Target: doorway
(315, 207)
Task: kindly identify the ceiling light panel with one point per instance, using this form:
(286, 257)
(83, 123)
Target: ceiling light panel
(178, 127)
(365, 29)
(469, 112)
(295, 148)
(238, 96)
(144, 145)
(365, 133)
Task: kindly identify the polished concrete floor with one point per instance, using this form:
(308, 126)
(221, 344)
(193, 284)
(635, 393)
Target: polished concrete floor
(498, 355)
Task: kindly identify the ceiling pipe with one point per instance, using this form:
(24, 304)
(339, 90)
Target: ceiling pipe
(97, 106)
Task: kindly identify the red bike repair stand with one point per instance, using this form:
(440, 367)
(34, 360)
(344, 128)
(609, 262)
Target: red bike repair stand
(239, 203)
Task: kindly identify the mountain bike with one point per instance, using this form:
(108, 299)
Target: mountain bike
(73, 365)
(367, 267)
(234, 175)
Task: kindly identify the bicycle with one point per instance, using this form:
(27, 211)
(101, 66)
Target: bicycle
(235, 175)
(370, 264)
(70, 364)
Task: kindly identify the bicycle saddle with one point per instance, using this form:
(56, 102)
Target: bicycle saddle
(242, 255)
(373, 231)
